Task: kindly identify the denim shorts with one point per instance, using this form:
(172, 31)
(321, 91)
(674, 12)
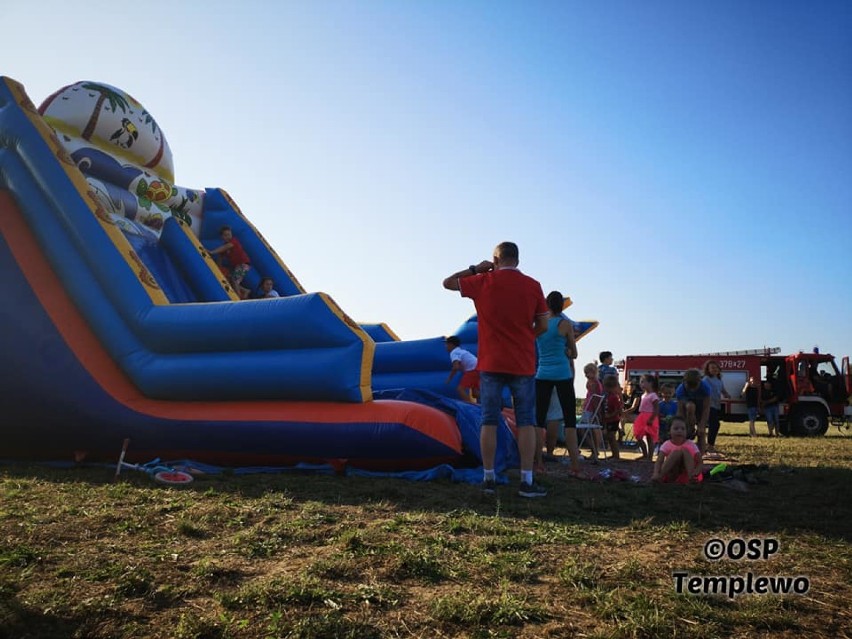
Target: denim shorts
(522, 388)
(752, 413)
(771, 413)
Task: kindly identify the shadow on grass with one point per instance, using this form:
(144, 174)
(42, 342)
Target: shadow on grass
(18, 621)
(788, 498)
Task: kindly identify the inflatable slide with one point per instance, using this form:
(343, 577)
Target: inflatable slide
(118, 322)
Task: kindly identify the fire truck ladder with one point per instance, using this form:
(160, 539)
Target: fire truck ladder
(765, 351)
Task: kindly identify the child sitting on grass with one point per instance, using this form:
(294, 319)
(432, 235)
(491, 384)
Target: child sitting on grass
(679, 461)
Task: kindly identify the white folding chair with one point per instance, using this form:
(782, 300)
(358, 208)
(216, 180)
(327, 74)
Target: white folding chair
(591, 421)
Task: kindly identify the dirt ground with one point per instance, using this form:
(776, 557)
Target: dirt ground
(629, 464)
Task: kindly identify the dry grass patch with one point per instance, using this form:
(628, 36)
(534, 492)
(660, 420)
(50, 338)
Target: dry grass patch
(316, 556)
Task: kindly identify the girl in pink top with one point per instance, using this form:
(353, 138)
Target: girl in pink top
(646, 428)
(679, 460)
(593, 387)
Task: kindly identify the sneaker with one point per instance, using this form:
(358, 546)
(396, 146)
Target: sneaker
(531, 490)
(489, 486)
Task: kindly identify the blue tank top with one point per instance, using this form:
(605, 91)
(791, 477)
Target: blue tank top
(553, 363)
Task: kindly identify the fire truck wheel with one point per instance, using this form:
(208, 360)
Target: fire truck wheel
(810, 421)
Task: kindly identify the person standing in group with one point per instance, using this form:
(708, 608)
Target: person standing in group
(463, 361)
(646, 426)
(612, 414)
(713, 377)
(630, 397)
(511, 313)
(668, 409)
(693, 404)
(605, 368)
(556, 352)
(769, 398)
(593, 387)
(751, 392)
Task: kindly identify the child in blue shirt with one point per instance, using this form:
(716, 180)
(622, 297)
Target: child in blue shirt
(605, 367)
(668, 409)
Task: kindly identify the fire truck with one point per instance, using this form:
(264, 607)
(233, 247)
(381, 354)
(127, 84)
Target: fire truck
(814, 391)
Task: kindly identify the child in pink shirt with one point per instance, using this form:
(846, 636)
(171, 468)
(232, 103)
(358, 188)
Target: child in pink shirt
(646, 426)
(593, 387)
(679, 460)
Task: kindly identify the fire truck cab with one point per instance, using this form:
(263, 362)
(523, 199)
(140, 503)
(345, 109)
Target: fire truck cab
(813, 391)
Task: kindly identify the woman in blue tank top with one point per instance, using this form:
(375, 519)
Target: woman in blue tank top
(556, 350)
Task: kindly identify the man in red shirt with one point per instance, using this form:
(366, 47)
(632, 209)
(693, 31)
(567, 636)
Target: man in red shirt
(511, 312)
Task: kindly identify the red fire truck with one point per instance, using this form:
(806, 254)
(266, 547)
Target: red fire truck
(814, 391)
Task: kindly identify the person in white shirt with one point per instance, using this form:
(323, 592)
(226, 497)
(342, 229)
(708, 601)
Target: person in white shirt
(464, 361)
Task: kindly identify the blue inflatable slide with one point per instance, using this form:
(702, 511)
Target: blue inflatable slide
(119, 323)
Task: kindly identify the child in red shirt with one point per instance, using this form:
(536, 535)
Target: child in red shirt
(612, 413)
(233, 261)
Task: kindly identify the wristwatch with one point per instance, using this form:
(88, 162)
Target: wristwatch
(472, 269)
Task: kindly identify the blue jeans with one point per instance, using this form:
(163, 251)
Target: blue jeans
(522, 388)
(771, 414)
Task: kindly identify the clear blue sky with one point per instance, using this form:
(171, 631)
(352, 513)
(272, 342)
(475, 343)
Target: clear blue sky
(682, 170)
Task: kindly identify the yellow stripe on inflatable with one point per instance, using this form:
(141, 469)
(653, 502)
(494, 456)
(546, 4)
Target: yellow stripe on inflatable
(134, 262)
(367, 353)
(263, 239)
(390, 332)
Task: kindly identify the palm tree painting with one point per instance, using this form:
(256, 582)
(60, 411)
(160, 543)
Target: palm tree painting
(149, 120)
(116, 101)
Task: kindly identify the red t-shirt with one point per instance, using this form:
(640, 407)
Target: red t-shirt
(507, 303)
(612, 409)
(235, 255)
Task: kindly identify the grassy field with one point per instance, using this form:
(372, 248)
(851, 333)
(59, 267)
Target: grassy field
(318, 556)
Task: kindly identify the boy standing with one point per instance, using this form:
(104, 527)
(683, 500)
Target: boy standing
(668, 409)
(605, 367)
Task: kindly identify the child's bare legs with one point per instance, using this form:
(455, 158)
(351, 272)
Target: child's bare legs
(702, 438)
(689, 465)
(466, 394)
(573, 449)
(612, 440)
(597, 444)
(699, 428)
(751, 431)
(237, 274)
(675, 463)
(241, 291)
(640, 441)
(690, 420)
(648, 444)
(552, 435)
